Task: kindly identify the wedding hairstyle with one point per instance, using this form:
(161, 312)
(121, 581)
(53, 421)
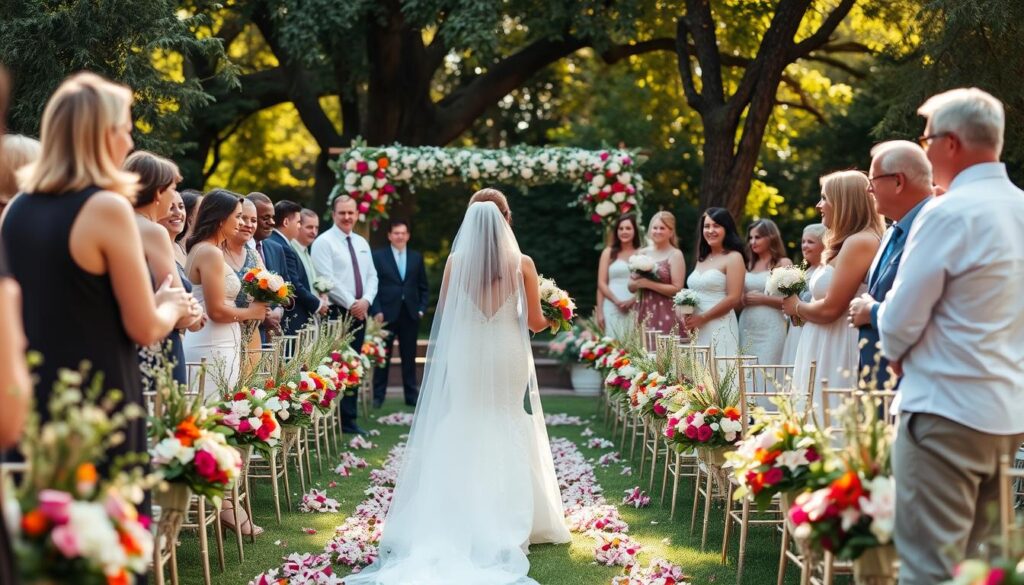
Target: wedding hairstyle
(496, 197)
(284, 209)
(616, 245)
(853, 210)
(218, 205)
(669, 221)
(16, 151)
(191, 199)
(156, 174)
(76, 127)
(903, 156)
(731, 241)
(766, 228)
(974, 116)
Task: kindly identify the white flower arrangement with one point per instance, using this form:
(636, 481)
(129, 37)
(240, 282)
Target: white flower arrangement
(786, 281)
(323, 285)
(685, 302)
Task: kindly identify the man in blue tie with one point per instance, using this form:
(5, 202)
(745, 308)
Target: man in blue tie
(401, 301)
(901, 183)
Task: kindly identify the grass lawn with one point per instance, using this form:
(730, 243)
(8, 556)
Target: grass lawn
(550, 565)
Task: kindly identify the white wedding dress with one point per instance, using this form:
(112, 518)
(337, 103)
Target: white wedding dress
(833, 346)
(762, 328)
(219, 343)
(477, 483)
(721, 333)
(617, 323)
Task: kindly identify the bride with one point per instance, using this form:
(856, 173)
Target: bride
(477, 485)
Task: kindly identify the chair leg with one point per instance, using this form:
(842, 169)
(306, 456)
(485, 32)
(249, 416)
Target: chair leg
(158, 559)
(632, 438)
(248, 510)
(218, 536)
(728, 524)
(287, 480)
(707, 510)
(643, 454)
(744, 527)
(204, 547)
(675, 488)
(696, 499)
(664, 474)
(309, 466)
(174, 563)
(235, 505)
(275, 487)
(783, 560)
(654, 464)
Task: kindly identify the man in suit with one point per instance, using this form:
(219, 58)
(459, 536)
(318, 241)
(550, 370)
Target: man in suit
(344, 257)
(401, 302)
(901, 183)
(309, 229)
(952, 324)
(273, 258)
(287, 215)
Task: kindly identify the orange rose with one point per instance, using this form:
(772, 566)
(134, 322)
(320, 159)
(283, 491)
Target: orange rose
(86, 473)
(711, 411)
(34, 523)
(382, 163)
(187, 431)
(121, 578)
(282, 292)
(264, 284)
(765, 456)
(128, 543)
(732, 412)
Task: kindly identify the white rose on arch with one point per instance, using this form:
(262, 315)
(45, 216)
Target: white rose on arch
(350, 164)
(605, 208)
(625, 178)
(526, 173)
(614, 167)
(619, 197)
(598, 181)
(367, 182)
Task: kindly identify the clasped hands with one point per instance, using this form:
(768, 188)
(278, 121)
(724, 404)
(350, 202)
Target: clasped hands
(859, 314)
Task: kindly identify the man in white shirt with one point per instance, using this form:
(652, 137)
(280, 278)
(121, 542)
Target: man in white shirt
(953, 323)
(343, 256)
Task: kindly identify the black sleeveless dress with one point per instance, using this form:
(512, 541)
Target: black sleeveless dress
(8, 574)
(171, 349)
(70, 315)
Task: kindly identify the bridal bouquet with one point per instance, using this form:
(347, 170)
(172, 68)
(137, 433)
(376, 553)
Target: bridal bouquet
(685, 302)
(67, 526)
(251, 414)
(558, 306)
(781, 453)
(787, 281)
(265, 286)
(643, 266)
(322, 285)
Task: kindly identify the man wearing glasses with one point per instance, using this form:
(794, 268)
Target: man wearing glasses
(953, 321)
(901, 183)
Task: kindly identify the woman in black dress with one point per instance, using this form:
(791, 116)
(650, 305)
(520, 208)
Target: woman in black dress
(74, 248)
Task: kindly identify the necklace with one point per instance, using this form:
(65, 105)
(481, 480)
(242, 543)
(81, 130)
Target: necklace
(232, 256)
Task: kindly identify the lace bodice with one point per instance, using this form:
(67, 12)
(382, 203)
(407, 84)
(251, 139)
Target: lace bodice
(709, 286)
(232, 287)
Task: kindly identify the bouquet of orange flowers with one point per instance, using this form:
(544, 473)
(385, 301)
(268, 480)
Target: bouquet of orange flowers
(264, 286)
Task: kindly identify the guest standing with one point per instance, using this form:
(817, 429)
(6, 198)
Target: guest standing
(287, 221)
(656, 309)
(242, 257)
(344, 257)
(762, 324)
(952, 320)
(216, 285)
(16, 151)
(853, 231)
(272, 255)
(615, 302)
(190, 198)
(84, 277)
(15, 385)
(401, 301)
(811, 247)
(158, 179)
(309, 228)
(718, 281)
(901, 182)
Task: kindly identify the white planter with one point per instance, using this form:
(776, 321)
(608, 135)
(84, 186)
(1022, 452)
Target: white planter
(586, 381)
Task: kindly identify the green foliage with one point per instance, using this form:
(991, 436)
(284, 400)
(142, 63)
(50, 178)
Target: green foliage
(135, 42)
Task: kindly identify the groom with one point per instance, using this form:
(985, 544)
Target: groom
(401, 302)
(901, 183)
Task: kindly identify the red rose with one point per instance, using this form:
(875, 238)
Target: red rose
(263, 433)
(773, 476)
(595, 218)
(604, 156)
(362, 167)
(307, 407)
(704, 433)
(249, 276)
(206, 465)
(618, 187)
(691, 432)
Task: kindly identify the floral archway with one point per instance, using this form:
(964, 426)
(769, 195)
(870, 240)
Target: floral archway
(606, 181)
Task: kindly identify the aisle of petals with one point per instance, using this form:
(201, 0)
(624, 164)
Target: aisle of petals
(586, 509)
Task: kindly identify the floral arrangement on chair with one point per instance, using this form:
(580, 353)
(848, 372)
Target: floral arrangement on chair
(252, 416)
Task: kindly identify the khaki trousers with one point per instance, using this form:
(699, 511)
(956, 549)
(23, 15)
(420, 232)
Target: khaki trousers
(947, 493)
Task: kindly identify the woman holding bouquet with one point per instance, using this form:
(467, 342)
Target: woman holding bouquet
(718, 281)
(853, 234)
(762, 324)
(241, 258)
(656, 309)
(614, 299)
(216, 285)
(811, 247)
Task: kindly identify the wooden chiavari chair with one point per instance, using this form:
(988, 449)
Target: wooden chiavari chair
(679, 465)
(1011, 492)
(654, 429)
(759, 383)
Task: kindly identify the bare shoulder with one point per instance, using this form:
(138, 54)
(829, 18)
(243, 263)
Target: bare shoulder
(108, 204)
(205, 253)
(606, 254)
(734, 260)
(784, 262)
(527, 263)
(861, 243)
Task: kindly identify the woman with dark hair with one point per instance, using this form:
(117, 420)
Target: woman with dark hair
(718, 281)
(614, 299)
(216, 285)
(762, 324)
(190, 200)
(655, 308)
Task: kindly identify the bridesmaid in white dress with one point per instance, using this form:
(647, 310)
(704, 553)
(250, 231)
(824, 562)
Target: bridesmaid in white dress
(811, 247)
(216, 285)
(614, 300)
(718, 281)
(854, 231)
(762, 324)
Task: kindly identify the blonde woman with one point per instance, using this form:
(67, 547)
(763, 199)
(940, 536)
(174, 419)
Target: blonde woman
(655, 308)
(16, 151)
(853, 233)
(812, 248)
(762, 324)
(87, 294)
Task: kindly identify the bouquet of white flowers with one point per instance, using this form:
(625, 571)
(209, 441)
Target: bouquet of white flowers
(685, 302)
(643, 266)
(787, 281)
(322, 285)
(558, 306)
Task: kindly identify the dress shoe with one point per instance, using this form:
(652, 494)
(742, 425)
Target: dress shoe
(352, 430)
(378, 402)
